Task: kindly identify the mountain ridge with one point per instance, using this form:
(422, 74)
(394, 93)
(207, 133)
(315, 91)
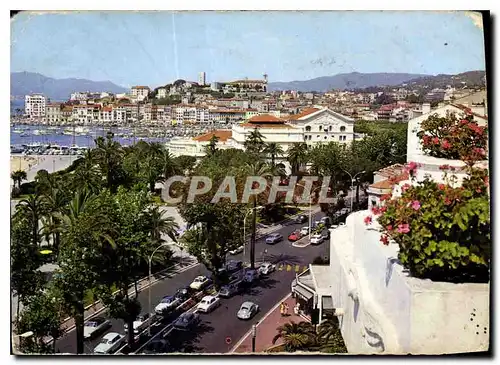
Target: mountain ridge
(24, 83)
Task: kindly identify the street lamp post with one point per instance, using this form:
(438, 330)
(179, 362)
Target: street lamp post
(310, 207)
(22, 335)
(150, 259)
(352, 182)
(254, 335)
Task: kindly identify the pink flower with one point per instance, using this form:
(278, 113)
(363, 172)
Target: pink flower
(404, 228)
(405, 187)
(441, 186)
(385, 197)
(444, 167)
(368, 219)
(479, 151)
(464, 121)
(416, 205)
(446, 145)
(376, 210)
(385, 240)
(389, 227)
(435, 140)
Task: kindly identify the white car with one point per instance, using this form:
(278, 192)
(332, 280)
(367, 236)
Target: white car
(208, 304)
(316, 239)
(142, 322)
(266, 268)
(109, 343)
(304, 231)
(237, 250)
(199, 282)
(95, 326)
(167, 303)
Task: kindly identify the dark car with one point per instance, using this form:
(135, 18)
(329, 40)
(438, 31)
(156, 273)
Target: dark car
(227, 291)
(326, 234)
(157, 346)
(183, 293)
(301, 219)
(186, 321)
(274, 238)
(233, 265)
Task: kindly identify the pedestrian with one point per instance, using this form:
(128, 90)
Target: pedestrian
(282, 309)
(296, 309)
(286, 309)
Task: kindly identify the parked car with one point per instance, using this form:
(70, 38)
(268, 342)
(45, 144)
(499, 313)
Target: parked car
(109, 343)
(95, 326)
(183, 293)
(231, 289)
(301, 219)
(295, 236)
(208, 304)
(200, 282)
(326, 221)
(157, 346)
(304, 231)
(274, 238)
(237, 250)
(251, 275)
(247, 310)
(325, 235)
(142, 322)
(316, 239)
(266, 268)
(234, 265)
(186, 321)
(168, 303)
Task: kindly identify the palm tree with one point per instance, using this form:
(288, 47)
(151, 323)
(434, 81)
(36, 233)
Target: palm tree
(55, 201)
(32, 207)
(108, 154)
(258, 169)
(274, 150)
(297, 155)
(296, 336)
(18, 176)
(330, 337)
(159, 224)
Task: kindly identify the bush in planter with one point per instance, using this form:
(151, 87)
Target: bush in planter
(443, 232)
(452, 137)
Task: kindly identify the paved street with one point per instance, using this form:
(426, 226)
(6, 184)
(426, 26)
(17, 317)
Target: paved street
(222, 322)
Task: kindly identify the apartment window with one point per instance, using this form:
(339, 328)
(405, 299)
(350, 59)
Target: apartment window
(326, 137)
(345, 137)
(320, 127)
(340, 138)
(310, 137)
(330, 128)
(318, 136)
(308, 128)
(342, 129)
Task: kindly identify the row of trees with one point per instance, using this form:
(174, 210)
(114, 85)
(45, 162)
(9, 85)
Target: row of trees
(100, 224)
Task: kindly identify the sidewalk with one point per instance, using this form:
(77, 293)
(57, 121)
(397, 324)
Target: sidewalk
(266, 329)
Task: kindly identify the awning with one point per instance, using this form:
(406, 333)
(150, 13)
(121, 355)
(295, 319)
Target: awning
(327, 303)
(303, 293)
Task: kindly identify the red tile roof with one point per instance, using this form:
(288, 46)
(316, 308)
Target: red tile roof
(303, 113)
(389, 183)
(140, 87)
(265, 118)
(221, 134)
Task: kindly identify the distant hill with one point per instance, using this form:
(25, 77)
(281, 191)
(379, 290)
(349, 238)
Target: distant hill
(23, 83)
(466, 79)
(353, 80)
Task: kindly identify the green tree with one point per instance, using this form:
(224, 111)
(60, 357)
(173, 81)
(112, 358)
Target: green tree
(32, 207)
(296, 336)
(185, 163)
(273, 150)
(254, 143)
(25, 260)
(159, 224)
(109, 155)
(211, 148)
(42, 317)
(297, 155)
(18, 176)
(329, 335)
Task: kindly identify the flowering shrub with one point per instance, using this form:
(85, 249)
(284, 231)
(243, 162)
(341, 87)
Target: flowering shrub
(453, 138)
(443, 232)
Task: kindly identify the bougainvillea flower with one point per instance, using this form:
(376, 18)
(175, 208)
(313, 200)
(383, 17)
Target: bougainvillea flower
(384, 239)
(444, 167)
(445, 144)
(480, 151)
(376, 210)
(405, 187)
(389, 227)
(404, 228)
(441, 186)
(368, 219)
(385, 197)
(435, 140)
(416, 205)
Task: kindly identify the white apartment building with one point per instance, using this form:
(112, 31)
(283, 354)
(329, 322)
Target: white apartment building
(161, 93)
(140, 92)
(34, 105)
(79, 96)
(202, 78)
(53, 113)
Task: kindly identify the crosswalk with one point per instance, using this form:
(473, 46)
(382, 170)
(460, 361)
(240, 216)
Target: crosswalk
(295, 268)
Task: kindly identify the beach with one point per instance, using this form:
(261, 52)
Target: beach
(24, 163)
(34, 163)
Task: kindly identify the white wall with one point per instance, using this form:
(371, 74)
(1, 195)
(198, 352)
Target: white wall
(396, 313)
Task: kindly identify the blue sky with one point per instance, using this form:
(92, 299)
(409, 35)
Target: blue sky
(131, 48)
